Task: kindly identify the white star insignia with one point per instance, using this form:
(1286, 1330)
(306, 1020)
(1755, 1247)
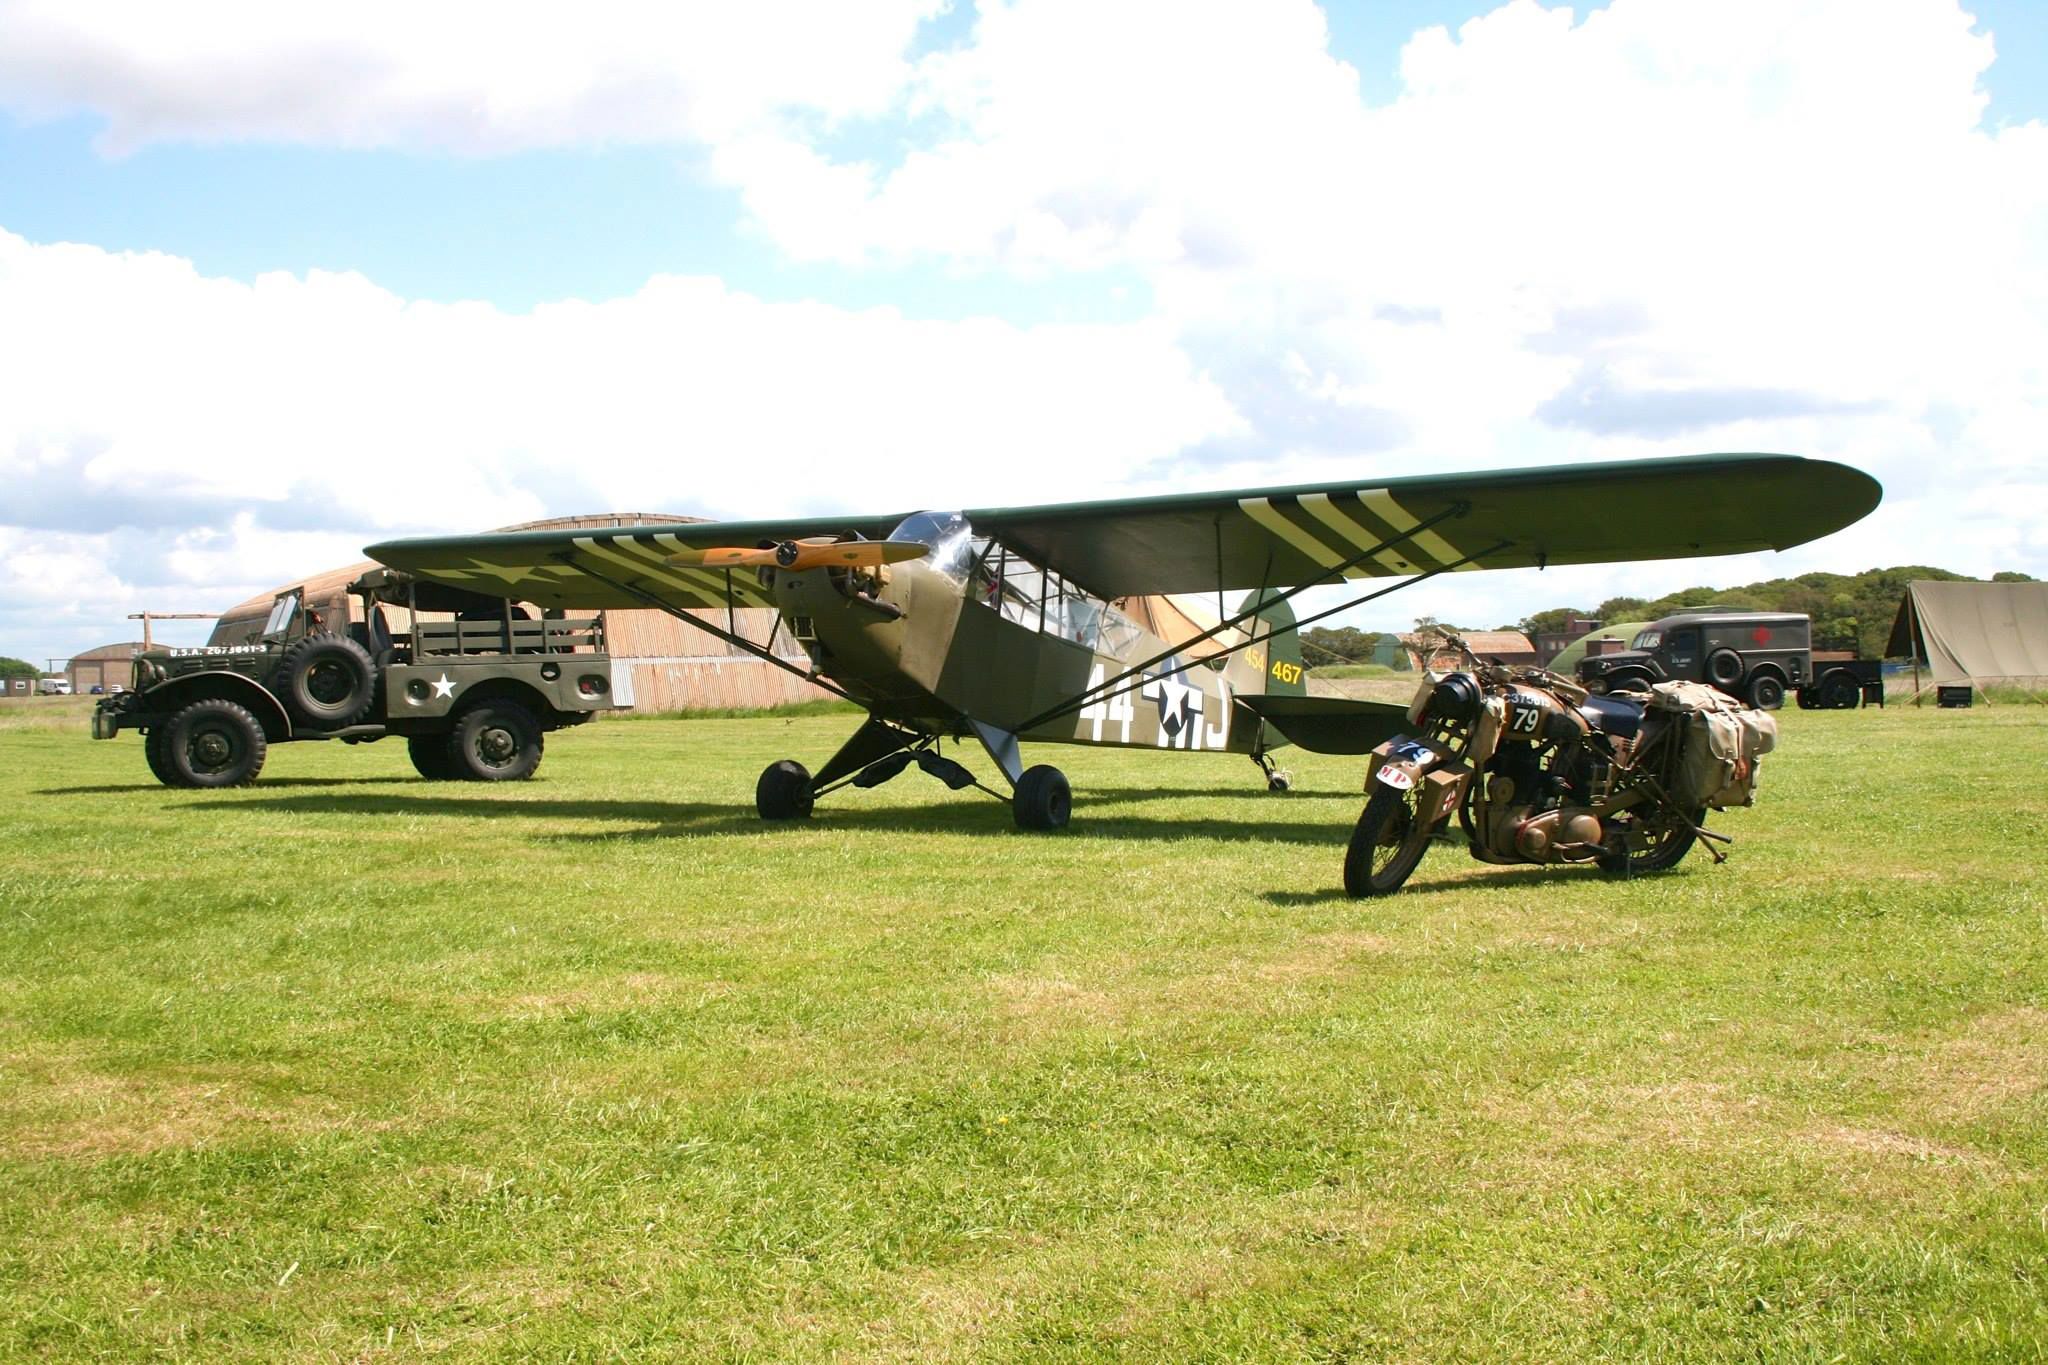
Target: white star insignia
(443, 687)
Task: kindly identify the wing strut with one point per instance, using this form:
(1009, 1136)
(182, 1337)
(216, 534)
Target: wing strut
(1108, 688)
(731, 637)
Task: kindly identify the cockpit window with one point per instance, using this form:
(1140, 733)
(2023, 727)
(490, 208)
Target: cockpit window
(1647, 639)
(950, 537)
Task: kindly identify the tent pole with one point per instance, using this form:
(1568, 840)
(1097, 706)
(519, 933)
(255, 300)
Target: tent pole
(1913, 611)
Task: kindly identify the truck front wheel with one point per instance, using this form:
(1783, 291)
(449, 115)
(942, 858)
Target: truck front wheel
(213, 743)
(495, 741)
(153, 754)
(429, 754)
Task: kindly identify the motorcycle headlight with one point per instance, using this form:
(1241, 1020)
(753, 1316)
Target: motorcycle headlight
(1457, 697)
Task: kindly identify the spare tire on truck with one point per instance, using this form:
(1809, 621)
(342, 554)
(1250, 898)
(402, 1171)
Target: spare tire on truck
(326, 681)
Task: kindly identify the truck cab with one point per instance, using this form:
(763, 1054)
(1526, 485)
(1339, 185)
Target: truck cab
(1754, 656)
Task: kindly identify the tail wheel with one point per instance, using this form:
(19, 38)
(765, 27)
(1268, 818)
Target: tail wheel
(327, 680)
(430, 757)
(1387, 844)
(494, 741)
(1043, 800)
(783, 791)
(1658, 842)
(213, 743)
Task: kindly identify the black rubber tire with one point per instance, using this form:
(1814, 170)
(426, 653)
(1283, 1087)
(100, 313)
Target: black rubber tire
(430, 757)
(1387, 822)
(1766, 692)
(213, 743)
(327, 681)
(1724, 670)
(494, 741)
(1841, 693)
(1669, 850)
(1809, 698)
(1279, 782)
(1628, 681)
(153, 755)
(783, 791)
(1043, 800)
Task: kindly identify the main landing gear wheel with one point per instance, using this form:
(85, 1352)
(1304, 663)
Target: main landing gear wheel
(494, 741)
(1387, 844)
(213, 743)
(430, 757)
(784, 791)
(1043, 800)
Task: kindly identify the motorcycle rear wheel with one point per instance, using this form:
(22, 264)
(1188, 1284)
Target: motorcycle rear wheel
(1670, 839)
(1387, 844)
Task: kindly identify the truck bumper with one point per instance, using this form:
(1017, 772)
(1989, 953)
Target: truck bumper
(105, 724)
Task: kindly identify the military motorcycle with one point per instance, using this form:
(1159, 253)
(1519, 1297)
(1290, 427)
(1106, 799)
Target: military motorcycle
(1536, 770)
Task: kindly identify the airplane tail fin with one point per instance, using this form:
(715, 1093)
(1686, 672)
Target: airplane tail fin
(1285, 677)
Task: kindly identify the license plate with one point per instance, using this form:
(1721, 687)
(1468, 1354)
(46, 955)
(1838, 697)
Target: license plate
(1397, 778)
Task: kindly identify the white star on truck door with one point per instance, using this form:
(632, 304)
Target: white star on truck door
(443, 687)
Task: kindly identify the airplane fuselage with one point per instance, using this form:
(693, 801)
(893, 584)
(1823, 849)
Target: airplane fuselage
(919, 650)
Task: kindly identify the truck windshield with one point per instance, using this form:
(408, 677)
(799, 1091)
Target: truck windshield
(281, 613)
(1647, 639)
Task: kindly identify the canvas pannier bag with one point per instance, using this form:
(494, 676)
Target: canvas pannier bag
(1723, 745)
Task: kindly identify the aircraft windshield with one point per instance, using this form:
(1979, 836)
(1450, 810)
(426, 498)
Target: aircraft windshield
(950, 537)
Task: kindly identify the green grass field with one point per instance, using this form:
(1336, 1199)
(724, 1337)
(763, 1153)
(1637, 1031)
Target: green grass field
(347, 1065)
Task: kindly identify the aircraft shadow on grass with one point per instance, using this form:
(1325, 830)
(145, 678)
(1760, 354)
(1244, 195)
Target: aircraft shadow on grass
(685, 819)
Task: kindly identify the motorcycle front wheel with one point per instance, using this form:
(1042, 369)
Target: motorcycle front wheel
(1668, 837)
(1387, 844)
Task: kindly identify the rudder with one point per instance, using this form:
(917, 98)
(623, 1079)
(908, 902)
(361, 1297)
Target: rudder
(1281, 655)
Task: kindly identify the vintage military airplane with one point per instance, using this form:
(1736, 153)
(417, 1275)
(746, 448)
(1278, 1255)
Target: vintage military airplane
(1086, 623)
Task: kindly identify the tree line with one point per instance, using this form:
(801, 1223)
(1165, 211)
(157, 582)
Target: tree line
(1849, 611)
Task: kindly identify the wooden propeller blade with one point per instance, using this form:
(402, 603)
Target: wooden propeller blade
(815, 553)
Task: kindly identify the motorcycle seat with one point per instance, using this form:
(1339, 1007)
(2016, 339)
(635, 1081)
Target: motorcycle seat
(1613, 716)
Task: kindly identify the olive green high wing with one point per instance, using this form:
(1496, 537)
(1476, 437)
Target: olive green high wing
(1569, 514)
(1240, 540)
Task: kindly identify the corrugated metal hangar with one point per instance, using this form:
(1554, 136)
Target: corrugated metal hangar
(675, 667)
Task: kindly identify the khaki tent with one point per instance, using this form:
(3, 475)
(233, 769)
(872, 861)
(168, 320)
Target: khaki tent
(1976, 633)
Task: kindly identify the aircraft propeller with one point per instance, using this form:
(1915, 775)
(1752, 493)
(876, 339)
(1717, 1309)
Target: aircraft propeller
(818, 552)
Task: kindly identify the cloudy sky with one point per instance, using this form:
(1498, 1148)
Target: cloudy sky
(277, 280)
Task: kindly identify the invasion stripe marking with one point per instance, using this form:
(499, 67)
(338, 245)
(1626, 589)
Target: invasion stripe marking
(1401, 519)
(1333, 516)
(1261, 511)
(704, 580)
(589, 545)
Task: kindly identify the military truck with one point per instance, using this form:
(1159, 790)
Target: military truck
(473, 684)
(1754, 656)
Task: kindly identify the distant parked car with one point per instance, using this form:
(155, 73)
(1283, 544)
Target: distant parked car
(96, 690)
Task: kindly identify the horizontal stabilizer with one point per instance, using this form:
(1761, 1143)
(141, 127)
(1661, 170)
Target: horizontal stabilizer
(1330, 725)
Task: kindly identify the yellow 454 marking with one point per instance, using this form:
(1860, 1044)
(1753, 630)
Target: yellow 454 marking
(1286, 672)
